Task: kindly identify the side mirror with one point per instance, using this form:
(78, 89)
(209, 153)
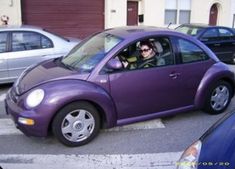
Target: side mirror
(114, 64)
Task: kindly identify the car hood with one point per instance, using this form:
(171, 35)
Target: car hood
(218, 141)
(45, 72)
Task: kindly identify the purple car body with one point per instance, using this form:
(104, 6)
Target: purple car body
(115, 96)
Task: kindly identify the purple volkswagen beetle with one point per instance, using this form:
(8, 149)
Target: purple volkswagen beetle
(92, 88)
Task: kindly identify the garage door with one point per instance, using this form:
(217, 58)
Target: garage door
(74, 18)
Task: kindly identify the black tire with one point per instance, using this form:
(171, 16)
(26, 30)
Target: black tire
(216, 100)
(82, 121)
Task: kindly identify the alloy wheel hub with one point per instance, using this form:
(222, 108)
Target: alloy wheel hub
(78, 126)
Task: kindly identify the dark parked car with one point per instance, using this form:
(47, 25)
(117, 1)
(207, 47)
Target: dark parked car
(215, 149)
(221, 40)
(91, 88)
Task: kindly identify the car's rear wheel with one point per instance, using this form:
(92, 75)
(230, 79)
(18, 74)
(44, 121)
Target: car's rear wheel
(218, 98)
(76, 124)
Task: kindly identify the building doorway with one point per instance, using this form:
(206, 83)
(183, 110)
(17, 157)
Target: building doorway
(132, 12)
(213, 15)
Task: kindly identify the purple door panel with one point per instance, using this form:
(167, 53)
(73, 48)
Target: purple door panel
(190, 77)
(145, 91)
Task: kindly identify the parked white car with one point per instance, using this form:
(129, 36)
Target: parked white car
(22, 46)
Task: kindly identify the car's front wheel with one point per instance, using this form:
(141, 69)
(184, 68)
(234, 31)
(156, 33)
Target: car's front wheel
(76, 124)
(218, 98)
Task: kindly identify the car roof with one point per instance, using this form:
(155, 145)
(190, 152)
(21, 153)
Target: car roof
(201, 25)
(196, 25)
(135, 31)
(19, 27)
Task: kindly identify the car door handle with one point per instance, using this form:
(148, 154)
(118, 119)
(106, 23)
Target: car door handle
(217, 44)
(174, 75)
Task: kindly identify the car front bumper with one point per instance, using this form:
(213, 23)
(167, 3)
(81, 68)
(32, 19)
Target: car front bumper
(17, 113)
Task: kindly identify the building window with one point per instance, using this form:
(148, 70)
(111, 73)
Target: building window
(177, 11)
(170, 16)
(184, 16)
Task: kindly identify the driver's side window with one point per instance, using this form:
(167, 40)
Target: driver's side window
(147, 53)
(143, 54)
(129, 56)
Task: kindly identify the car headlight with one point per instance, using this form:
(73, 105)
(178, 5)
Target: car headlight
(189, 159)
(35, 98)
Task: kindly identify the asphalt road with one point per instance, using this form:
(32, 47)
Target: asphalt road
(156, 146)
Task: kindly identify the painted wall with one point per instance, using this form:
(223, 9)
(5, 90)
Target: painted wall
(115, 13)
(153, 11)
(12, 9)
(200, 11)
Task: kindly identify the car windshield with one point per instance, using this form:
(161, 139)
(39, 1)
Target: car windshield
(189, 30)
(85, 57)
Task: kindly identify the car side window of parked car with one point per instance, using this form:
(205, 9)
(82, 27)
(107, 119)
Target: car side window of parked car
(3, 42)
(46, 43)
(190, 52)
(158, 53)
(225, 33)
(29, 41)
(210, 34)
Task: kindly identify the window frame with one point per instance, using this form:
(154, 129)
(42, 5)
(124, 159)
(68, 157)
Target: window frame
(171, 10)
(26, 31)
(178, 7)
(184, 10)
(104, 69)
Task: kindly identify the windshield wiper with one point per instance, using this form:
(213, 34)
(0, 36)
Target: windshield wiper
(67, 66)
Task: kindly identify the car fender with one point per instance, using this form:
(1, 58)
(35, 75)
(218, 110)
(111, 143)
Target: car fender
(62, 92)
(215, 73)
